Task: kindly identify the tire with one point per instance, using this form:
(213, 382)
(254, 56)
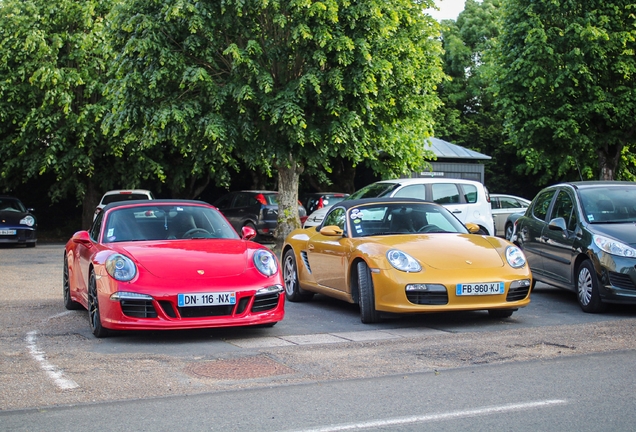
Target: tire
(30, 245)
(508, 232)
(368, 314)
(293, 291)
(94, 318)
(500, 313)
(66, 288)
(587, 288)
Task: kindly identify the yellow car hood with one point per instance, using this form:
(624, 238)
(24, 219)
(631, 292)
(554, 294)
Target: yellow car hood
(443, 251)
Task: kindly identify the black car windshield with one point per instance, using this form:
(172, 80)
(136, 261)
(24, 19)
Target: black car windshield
(614, 204)
(166, 222)
(402, 218)
(11, 205)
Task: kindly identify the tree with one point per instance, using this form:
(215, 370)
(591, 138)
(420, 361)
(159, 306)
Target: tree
(566, 87)
(284, 85)
(52, 71)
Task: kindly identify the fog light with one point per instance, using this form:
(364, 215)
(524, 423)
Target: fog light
(522, 283)
(426, 287)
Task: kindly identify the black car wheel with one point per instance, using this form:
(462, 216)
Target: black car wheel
(66, 286)
(94, 319)
(368, 314)
(508, 231)
(587, 288)
(293, 291)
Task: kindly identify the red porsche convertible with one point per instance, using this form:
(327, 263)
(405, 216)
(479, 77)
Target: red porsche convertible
(170, 264)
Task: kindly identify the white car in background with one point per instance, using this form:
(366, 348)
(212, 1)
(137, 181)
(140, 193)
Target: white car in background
(468, 200)
(122, 195)
(504, 206)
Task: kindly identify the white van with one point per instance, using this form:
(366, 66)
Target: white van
(468, 200)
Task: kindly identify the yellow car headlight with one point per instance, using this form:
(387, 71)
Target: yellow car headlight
(403, 261)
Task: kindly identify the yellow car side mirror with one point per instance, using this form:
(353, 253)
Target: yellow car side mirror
(472, 228)
(331, 230)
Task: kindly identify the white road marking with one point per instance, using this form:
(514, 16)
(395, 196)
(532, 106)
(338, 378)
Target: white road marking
(54, 373)
(441, 416)
(61, 314)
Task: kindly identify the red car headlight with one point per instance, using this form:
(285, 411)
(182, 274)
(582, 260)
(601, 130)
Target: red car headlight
(120, 267)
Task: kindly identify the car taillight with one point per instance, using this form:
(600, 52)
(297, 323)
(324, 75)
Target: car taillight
(303, 219)
(261, 199)
(97, 211)
(321, 203)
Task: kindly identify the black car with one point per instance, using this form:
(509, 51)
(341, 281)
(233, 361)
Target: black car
(316, 200)
(17, 223)
(582, 236)
(254, 208)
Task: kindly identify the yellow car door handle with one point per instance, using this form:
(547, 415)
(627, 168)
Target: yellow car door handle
(310, 247)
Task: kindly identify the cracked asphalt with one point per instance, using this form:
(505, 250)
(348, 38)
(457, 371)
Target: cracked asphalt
(43, 346)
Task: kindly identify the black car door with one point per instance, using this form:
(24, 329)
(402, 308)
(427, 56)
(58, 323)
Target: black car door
(559, 243)
(530, 228)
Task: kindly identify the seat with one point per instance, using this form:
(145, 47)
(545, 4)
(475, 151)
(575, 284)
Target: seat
(401, 222)
(181, 224)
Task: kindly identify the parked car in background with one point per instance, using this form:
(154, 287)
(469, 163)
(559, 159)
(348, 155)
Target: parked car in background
(581, 236)
(468, 200)
(511, 224)
(18, 224)
(502, 206)
(170, 264)
(402, 255)
(122, 195)
(257, 209)
(317, 200)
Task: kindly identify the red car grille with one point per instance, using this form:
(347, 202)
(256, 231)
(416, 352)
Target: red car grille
(138, 308)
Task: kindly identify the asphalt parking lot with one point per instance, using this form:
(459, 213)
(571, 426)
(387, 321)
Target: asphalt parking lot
(49, 357)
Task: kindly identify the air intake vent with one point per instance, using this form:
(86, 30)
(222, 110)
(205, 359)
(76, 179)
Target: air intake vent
(621, 280)
(265, 302)
(138, 308)
(427, 298)
(516, 294)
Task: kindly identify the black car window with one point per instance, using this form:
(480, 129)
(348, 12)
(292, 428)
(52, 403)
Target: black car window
(244, 200)
(224, 202)
(336, 217)
(412, 191)
(494, 203)
(541, 204)
(10, 204)
(374, 190)
(563, 207)
(445, 193)
(96, 227)
(510, 203)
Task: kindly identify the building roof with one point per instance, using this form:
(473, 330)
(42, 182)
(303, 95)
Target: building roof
(446, 150)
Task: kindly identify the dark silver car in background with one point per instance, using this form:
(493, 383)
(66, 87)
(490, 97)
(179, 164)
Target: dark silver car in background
(582, 236)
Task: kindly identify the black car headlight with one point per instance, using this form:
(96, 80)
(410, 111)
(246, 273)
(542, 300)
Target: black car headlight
(28, 220)
(120, 267)
(614, 247)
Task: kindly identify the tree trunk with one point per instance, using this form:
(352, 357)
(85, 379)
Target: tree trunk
(608, 158)
(89, 203)
(288, 219)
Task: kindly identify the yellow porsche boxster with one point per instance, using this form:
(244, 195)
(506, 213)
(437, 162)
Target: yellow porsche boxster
(404, 256)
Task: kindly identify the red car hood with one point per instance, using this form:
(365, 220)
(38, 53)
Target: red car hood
(191, 258)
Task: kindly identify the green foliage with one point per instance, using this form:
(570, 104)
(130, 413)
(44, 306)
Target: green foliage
(267, 79)
(52, 66)
(566, 84)
(283, 85)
